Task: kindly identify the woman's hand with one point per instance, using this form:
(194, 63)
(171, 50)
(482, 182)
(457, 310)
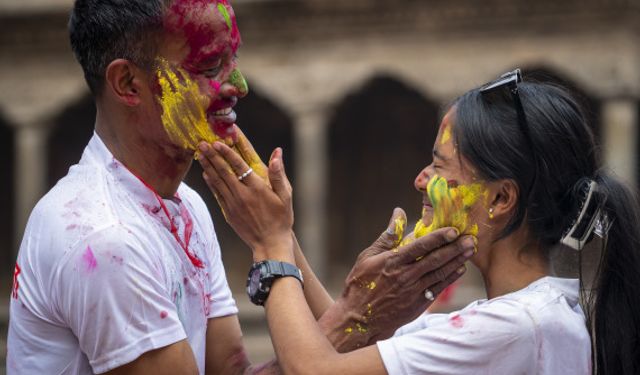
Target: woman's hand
(262, 216)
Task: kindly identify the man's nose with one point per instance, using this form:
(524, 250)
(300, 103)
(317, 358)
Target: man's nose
(235, 85)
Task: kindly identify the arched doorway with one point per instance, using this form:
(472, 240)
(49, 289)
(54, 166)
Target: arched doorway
(268, 127)
(7, 197)
(591, 104)
(71, 132)
(380, 138)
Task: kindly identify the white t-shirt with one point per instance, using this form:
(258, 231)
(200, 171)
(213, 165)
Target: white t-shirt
(101, 279)
(537, 330)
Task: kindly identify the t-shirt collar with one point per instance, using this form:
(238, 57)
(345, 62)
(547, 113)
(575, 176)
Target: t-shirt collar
(97, 153)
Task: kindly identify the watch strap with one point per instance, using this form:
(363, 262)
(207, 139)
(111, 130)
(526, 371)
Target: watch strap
(281, 269)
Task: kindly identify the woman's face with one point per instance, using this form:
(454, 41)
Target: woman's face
(453, 194)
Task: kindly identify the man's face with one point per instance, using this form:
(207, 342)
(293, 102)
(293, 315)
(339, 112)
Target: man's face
(197, 81)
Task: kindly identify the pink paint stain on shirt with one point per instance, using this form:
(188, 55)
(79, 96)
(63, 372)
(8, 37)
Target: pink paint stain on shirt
(89, 260)
(456, 321)
(163, 314)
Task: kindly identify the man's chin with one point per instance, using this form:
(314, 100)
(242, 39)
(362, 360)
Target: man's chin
(226, 131)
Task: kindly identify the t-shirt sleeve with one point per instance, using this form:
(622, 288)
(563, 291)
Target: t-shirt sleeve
(496, 340)
(221, 300)
(109, 291)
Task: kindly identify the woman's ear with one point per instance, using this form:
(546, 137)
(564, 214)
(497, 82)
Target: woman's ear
(503, 199)
(122, 81)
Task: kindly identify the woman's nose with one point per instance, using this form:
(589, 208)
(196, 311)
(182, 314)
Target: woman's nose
(421, 180)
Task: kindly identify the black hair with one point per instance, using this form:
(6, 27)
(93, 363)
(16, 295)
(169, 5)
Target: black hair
(550, 169)
(101, 31)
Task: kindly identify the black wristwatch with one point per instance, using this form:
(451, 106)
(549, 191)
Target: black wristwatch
(262, 275)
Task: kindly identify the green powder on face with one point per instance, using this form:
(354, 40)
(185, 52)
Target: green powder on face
(225, 14)
(237, 79)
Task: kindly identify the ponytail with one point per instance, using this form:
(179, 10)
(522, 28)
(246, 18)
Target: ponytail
(613, 314)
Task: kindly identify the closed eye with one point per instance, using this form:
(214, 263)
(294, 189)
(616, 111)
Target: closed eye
(213, 69)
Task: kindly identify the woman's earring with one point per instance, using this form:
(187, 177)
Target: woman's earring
(491, 213)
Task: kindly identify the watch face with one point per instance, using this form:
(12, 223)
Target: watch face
(254, 281)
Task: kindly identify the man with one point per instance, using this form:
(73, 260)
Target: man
(119, 270)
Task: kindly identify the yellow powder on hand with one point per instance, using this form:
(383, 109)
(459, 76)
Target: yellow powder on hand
(399, 224)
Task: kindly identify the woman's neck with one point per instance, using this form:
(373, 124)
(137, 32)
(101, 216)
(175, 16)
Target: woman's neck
(511, 264)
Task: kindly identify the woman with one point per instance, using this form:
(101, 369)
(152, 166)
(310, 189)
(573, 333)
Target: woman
(515, 165)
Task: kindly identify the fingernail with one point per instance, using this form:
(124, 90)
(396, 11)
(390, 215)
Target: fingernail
(469, 253)
(469, 243)
(461, 270)
(452, 234)
(202, 147)
(217, 146)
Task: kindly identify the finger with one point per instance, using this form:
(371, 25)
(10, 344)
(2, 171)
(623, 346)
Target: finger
(211, 175)
(281, 157)
(390, 237)
(420, 247)
(437, 288)
(450, 271)
(238, 165)
(277, 176)
(249, 154)
(459, 251)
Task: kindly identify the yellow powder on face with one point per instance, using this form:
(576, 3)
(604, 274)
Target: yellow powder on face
(348, 330)
(372, 285)
(451, 207)
(361, 328)
(446, 134)
(183, 108)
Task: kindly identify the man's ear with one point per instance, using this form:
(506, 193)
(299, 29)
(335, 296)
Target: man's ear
(123, 80)
(503, 198)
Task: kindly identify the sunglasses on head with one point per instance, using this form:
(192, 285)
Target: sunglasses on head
(510, 81)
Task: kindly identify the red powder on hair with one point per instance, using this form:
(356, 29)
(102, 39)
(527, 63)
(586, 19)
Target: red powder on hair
(186, 16)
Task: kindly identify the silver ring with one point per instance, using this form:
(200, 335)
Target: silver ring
(429, 295)
(245, 174)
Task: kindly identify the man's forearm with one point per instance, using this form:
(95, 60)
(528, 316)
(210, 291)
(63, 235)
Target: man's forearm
(345, 329)
(315, 294)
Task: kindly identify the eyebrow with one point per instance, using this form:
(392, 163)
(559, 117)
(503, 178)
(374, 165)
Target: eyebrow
(438, 155)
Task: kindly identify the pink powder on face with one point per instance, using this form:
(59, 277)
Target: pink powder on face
(456, 321)
(89, 260)
(215, 86)
(204, 39)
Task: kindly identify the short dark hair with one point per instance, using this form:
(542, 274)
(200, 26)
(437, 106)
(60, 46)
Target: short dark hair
(101, 31)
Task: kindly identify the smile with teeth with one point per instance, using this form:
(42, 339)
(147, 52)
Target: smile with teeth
(223, 111)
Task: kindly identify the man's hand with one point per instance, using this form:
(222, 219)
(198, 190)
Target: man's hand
(385, 288)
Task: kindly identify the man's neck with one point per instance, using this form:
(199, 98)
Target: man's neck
(161, 167)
